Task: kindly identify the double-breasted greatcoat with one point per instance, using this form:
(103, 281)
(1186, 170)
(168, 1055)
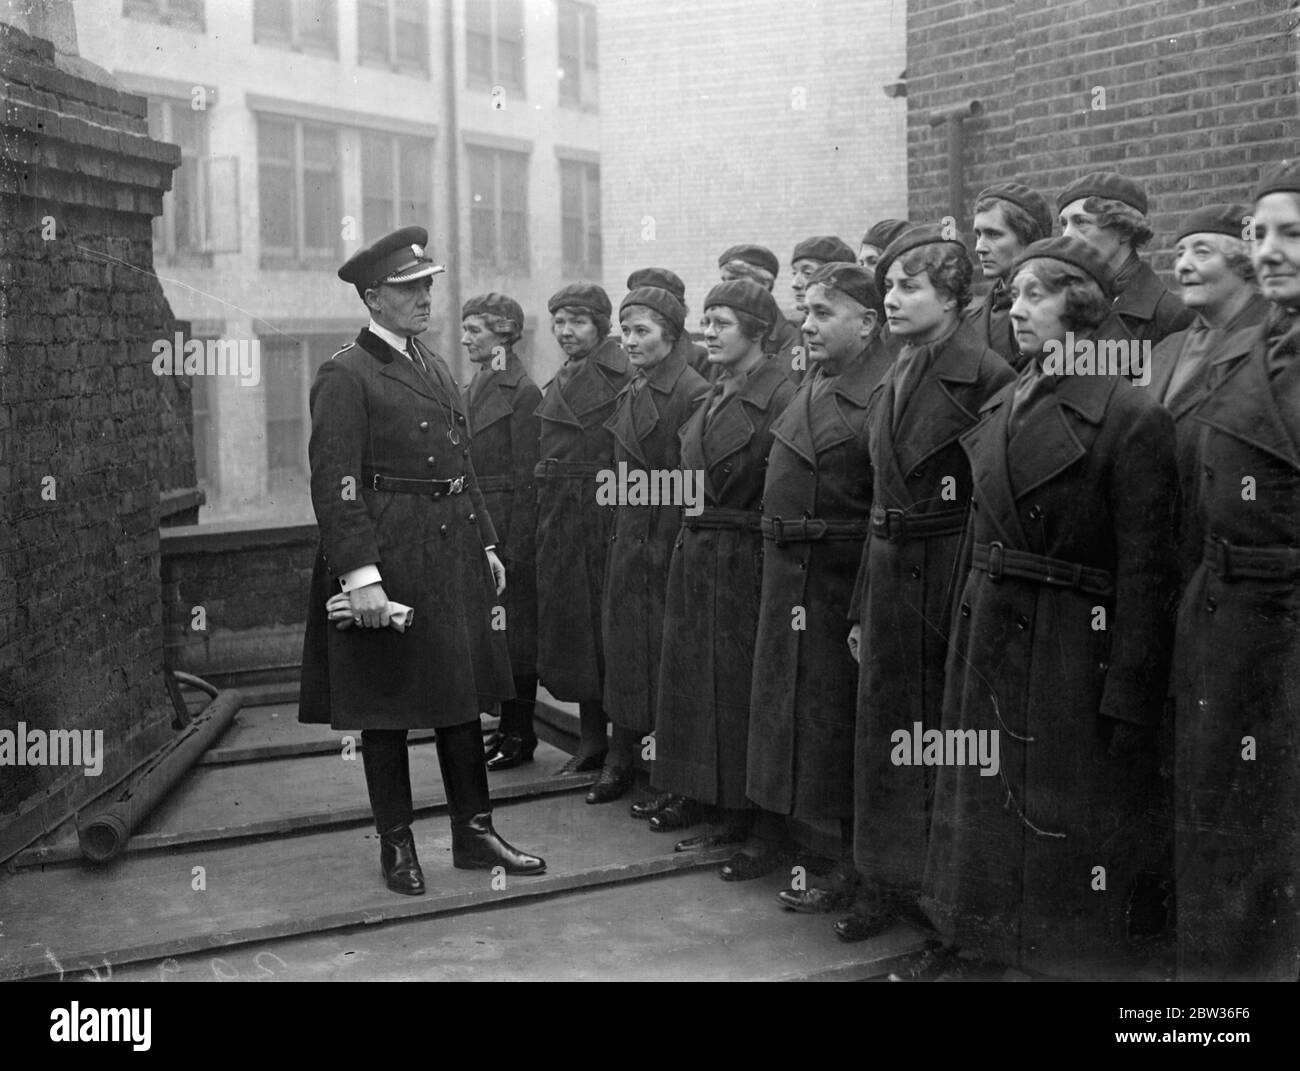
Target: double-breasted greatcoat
(373, 412)
(572, 530)
(1145, 305)
(991, 319)
(1183, 404)
(714, 584)
(647, 415)
(1237, 675)
(504, 435)
(816, 514)
(904, 592)
(1061, 635)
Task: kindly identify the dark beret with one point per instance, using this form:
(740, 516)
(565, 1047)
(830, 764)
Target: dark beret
(1073, 252)
(851, 280)
(395, 258)
(660, 277)
(884, 231)
(746, 296)
(1108, 184)
(1282, 177)
(1214, 219)
(583, 295)
(664, 303)
(494, 304)
(912, 238)
(757, 255)
(826, 248)
(1020, 195)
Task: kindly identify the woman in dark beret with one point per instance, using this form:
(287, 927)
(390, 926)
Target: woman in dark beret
(572, 529)
(504, 429)
(1041, 844)
(715, 579)
(644, 424)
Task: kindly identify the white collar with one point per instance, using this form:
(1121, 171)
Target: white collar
(396, 341)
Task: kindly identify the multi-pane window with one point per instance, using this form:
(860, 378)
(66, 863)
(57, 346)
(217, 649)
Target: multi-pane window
(204, 441)
(298, 186)
(494, 44)
(310, 25)
(395, 183)
(289, 366)
(187, 14)
(394, 32)
(179, 231)
(579, 69)
(580, 217)
(498, 219)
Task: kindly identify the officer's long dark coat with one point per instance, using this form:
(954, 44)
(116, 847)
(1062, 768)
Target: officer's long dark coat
(906, 583)
(1149, 310)
(1237, 676)
(504, 432)
(802, 698)
(714, 583)
(373, 412)
(644, 424)
(993, 326)
(1183, 407)
(572, 530)
(1090, 479)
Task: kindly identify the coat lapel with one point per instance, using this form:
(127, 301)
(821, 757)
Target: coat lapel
(488, 397)
(986, 447)
(1047, 443)
(1241, 401)
(934, 417)
(396, 366)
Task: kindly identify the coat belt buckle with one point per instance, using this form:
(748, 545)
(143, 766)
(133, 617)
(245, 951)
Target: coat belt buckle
(1222, 558)
(456, 486)
(778, 531)
(895, 524)
(995, 561)
(374, 481)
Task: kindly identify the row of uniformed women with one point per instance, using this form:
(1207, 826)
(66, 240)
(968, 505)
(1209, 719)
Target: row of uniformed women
(1053, 657)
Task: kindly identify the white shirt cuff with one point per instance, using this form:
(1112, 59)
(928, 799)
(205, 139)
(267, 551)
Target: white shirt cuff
(359, 578)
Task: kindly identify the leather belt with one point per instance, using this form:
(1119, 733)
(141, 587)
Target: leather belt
(1000, 561)
(554, 468)
(496, 483)
(730, 519)
(1231, 561)
(378, 482)
(898, 526)
(812, 529)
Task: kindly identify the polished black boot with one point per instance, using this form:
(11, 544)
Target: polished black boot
(511, 751)
(515, 740)
(475, 845)
(398, 861)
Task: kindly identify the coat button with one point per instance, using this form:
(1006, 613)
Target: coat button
(442, 529)
(424, 425)
(431, 461)
(1035, 512)
(1210, 604)
(460, 419)
(1022, 622)
(965, 609)
(464, 453)
(916, 572)
(470, 517)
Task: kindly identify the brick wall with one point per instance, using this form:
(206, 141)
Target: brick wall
(746, 121)
(1197, 97)
(89, 437)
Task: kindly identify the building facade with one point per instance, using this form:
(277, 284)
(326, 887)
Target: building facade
(310, 127)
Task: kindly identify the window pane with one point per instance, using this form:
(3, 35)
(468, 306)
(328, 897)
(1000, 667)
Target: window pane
(271, 17)
(275, 184)
(372, 28)
(411, 29)
(478, 56)
(376, 185)
(199, 397)
(510, 63)
(482, 214)
(316, 21)
(510, 19)
(514, 209)
(416, 179)
(589, 53)
(285, 424)
(593, 218)
(320, 188)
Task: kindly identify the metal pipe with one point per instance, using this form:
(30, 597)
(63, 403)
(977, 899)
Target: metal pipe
(954, 117)
(455, 357)
(107, 833)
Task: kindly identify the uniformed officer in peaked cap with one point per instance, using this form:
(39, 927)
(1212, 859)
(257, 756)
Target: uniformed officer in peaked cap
(402, 521)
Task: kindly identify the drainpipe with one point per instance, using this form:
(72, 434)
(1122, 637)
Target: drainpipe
(453, 187)
(954, 117)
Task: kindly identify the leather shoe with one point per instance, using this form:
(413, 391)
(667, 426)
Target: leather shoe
(863, 923)
(815, 901)
(493, 741)
(745, 867)
(582, 764)
(644, 809)
(475, 845)
(681, 813)
(511, 752)
(712, 840)
(613, 783)
(398, 861)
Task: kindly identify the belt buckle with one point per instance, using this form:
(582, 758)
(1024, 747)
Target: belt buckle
(457, 485)
(778, 531)
(995, 561)
(374, 481)
(895, 524)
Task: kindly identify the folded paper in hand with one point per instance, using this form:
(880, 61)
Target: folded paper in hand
(339, 609)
